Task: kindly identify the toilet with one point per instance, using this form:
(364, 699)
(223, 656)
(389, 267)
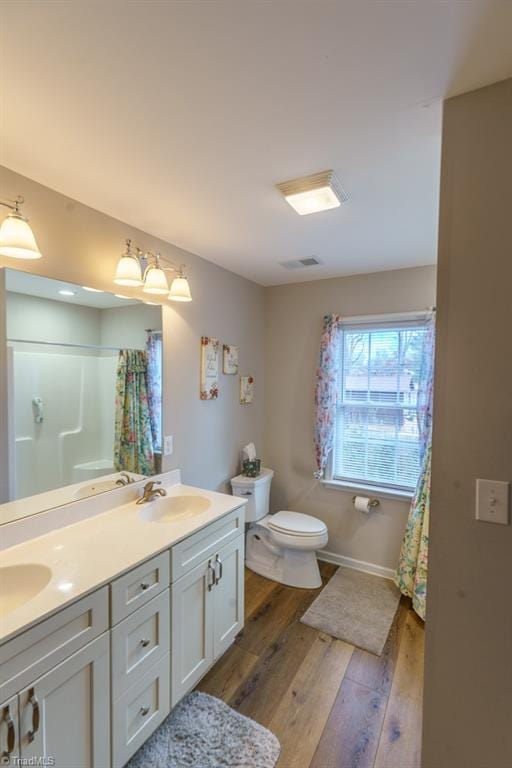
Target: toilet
(283, 546)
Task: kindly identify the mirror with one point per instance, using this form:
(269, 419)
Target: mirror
(84, 392)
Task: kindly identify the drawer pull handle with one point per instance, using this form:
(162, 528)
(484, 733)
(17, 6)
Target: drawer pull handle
(145, 585)
(145, 642)
(32, 700)
(11, 733)
(218, 562)
(246, 493)
(144, 711)
(211, 573)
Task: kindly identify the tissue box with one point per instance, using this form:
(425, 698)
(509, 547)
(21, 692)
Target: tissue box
(251, 468)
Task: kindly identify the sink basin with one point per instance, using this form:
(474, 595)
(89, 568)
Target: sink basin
(91, 489)
(168, 509)
(20, 583)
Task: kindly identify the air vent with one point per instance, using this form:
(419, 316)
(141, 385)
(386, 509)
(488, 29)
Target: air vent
(311, 261)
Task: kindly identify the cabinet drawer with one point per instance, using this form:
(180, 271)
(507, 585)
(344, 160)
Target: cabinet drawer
(139, 711)
(35, 651)
(139, 586)
(139, 641)
(194, 549)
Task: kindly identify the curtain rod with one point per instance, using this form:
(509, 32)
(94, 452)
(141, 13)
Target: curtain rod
(69, 344)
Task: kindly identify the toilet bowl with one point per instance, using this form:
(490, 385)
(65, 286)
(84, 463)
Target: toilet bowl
(283, 546)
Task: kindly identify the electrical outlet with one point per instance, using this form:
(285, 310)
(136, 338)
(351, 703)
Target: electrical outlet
(492, 501)
(168, 445)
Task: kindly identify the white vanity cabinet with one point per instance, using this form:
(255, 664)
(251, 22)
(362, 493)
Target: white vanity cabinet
(207, 601)
(64, 715)
(57, 675)
(87, 686)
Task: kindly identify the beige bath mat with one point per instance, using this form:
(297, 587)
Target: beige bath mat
(356, 607)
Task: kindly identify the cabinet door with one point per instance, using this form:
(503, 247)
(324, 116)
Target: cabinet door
(65, 714)
(191, 629)
(9, 731)
(228, 595)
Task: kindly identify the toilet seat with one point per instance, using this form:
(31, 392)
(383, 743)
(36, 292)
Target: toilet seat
(296, 524)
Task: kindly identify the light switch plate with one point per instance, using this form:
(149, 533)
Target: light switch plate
(492, 501)
(168, 445)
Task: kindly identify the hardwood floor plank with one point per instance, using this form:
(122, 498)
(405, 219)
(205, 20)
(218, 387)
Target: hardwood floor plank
(228, 674)
(376, 672)
(299, 719)
(351, 735)
(257, 590)
(269, 680)
(400, 742)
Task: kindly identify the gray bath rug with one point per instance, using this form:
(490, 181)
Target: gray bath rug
(355, 607)
(203, 732)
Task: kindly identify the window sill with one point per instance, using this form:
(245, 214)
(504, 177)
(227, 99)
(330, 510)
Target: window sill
(368, 490)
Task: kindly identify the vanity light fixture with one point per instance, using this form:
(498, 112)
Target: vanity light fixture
(155, 280)
(180, 289)
(91, 290)
(16, 238)
(138, 268)
(120, 296)
(129, 270)
(311, 194)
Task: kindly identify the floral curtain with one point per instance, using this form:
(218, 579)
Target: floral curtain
(154, 357)
(327, 390)
(411, 574)
(133, 442)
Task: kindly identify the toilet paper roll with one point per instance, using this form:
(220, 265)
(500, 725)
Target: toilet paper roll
(362, 504)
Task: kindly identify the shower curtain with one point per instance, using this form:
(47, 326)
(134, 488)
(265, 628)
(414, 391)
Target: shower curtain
(411, 574)
(133, 442)
(154, 357)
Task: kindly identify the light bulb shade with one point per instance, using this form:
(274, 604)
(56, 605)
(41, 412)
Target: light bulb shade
(155, 281)
(180, 289)
(128, 271)
(17, 239)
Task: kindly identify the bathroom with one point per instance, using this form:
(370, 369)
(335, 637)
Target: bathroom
(216, 414)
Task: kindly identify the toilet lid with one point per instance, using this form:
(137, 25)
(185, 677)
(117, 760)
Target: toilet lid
(296, 523)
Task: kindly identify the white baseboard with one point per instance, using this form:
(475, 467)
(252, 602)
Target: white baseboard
(357, 565)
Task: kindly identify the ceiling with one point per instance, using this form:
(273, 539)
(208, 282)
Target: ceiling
(180, 118)
(47, 288)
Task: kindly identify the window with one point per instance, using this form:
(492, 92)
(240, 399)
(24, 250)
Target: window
(376, 438)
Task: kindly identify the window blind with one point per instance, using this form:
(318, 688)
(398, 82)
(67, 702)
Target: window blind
(376, 436)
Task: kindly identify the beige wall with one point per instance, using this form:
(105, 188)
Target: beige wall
(293, 326)
(468, 679)
(82, 245)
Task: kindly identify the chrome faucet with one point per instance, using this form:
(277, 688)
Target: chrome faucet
(124, 479)
(150, 493)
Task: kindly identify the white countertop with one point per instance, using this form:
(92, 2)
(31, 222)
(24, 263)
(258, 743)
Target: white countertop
(85, 555)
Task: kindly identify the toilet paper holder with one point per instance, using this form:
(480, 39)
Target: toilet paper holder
(373, 502)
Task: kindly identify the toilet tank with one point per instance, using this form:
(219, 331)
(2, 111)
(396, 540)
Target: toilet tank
(257, 492)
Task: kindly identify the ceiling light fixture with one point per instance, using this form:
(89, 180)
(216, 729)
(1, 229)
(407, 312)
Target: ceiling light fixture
(136, 268)
(17, 240)
(311, 194)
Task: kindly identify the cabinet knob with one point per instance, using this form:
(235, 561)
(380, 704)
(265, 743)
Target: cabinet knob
(145, 642)
(145, 585)
(144, 711)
